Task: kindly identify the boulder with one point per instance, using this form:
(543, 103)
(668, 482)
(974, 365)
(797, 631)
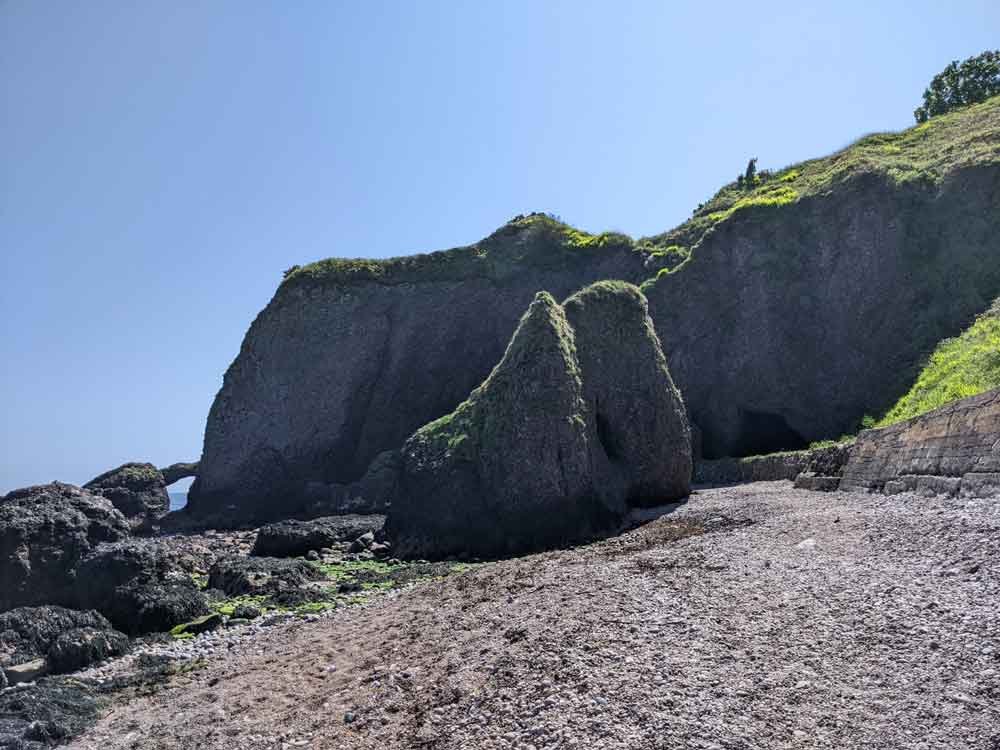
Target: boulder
(138, 490)
(81, 647)
(179, 471)
(295, 538)
(31, 633)
(50, 712)
(155, 607)
(579, 421)
(44, 532)
(139, 586)
(237, 576)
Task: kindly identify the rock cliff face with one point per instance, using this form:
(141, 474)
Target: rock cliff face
(789, 324)
(349, 359)
(799, 307)
(577, 422)
(952, 449)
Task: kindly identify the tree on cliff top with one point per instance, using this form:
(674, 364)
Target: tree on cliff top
(969, 82)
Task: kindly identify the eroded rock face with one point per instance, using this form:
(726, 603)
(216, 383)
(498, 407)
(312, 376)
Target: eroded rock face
(44, 533)
(340, 369)
(951, 450)
(788, 326)
(579, 420)
(138, 490)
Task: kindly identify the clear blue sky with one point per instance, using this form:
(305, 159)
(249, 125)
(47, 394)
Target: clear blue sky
(162, 163)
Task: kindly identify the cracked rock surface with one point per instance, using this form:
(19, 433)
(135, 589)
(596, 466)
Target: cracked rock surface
(756, 616)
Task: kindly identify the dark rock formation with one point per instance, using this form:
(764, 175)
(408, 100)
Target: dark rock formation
(578, 421)
(44, 532)
(67, 639)
(237, 576)
(350, 358)
(139, 587)
(954, 449)
(179, 471)
(81, 647)
(295, 538)
(788, 325)
(42, 715)
(137, 490)
(791, 320)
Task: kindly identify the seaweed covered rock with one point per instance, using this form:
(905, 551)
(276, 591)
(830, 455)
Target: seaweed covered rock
(45, 531)
(81, 647)
(45, 714)
(138, 490)
(237, 576)
(69, 639)
(139, 587)
(294, 538)
(577, 422)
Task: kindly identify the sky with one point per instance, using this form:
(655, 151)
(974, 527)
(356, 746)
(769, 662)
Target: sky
(161, 163)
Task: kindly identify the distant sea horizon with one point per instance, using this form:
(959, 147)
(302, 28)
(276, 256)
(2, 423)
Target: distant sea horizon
(178, 500)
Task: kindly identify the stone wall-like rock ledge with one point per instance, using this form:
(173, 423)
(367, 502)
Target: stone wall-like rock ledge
(952, 450)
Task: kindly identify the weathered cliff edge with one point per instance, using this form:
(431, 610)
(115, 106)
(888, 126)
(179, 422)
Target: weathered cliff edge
(951, 450)
(577, 423)
(802, 307)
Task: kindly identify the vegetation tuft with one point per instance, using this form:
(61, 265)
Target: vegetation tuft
(960, 367)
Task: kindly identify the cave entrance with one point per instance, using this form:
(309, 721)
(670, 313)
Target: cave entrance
(762, 432)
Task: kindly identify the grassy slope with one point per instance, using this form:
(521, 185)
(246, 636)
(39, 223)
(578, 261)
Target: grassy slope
(959, 367)
(927, 153)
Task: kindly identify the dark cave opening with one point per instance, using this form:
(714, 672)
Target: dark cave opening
(762, 432)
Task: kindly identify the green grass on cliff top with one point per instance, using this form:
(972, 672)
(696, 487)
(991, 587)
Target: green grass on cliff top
(925, 153)
(960, 367)
(534, 240)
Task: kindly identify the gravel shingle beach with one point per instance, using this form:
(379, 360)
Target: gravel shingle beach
(756, 616)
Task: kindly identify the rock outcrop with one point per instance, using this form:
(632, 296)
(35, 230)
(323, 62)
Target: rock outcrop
(578, 421)
(951, 450)
(138, 586)
(44, 533)
(351, 357)
(802, 306)
(138, 490)
(179, 471)
(65, 639)
(294, 538)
